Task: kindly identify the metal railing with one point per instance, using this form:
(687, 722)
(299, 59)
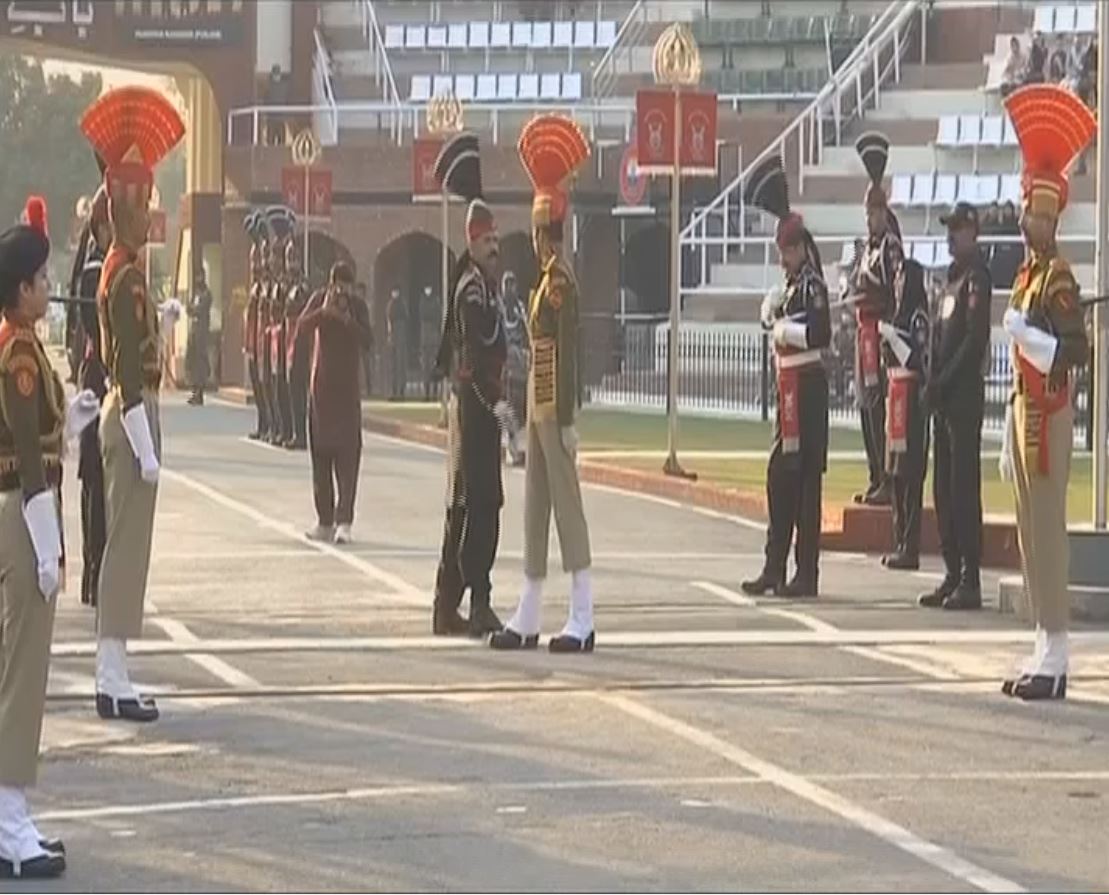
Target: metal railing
(728, 370)
(325, 119)
(375, 44)
(847, 94)
(628, 37)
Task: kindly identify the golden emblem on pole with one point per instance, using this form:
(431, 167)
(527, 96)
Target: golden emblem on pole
(444, 115)
(676, 59)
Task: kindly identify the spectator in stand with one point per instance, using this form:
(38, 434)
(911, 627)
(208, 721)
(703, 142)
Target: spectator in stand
(277, 94)
(1015, 64)
(1087, 74)
(1057, 65)
(1037, 58)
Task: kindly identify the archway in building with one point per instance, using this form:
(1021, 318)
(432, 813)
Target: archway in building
(645, 269)
(324, 251)
(410, 264)
(518, 256)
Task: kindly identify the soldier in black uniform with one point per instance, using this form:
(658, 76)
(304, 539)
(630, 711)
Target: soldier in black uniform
(282, 223)
(800, 322)
(906, 351)
(298, 352)
(955, 393)
(255, 229)
(873, 289)
(473, 351)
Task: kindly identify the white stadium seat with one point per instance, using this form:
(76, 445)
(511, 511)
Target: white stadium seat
(847, 254)
(549, 86)
(1044, 19)
(563, 35)
(442, 84)
(1010, 189)
(394, 37)
(506, 86)
(529, 86)
(456, 36)
(420, 90)
(571, 85)
(901, 189)
(1010, 135)
(486, 87)
(988, 188)
(967, 190)
(1085, 21)
(945, 190)
(948, 132)
(606, 34)
(1064, 19)
(922, 190)
(585, 35)
(993, 127)
(500, 35)
(479, 35)
(970, 130)
(436, 37)
(464, 87)
(925, 253)
(415, 37)
(541, 35)
(521, 35)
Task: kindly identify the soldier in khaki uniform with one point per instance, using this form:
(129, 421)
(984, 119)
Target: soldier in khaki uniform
(552, 148)
(132, 129)
(1048, 341)
(32, 417)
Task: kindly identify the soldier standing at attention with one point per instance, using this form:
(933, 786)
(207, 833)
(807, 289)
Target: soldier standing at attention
(200, 326)
(254, 227)
(1045, 323)
(298, 351)
(132, 129)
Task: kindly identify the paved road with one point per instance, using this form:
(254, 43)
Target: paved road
(315, 737)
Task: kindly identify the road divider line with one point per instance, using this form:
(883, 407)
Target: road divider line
(801, 618)
(803, 788)
(215, 666)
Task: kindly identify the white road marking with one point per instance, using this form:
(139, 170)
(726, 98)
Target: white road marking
(742, 521)
(725, 593)
(922, 668)
(402, 592)
(884, 829)
(801, 618)
(215, 666)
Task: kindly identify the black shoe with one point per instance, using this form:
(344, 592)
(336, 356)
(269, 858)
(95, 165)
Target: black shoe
(901, 562)
(257, 435)
(297, 444)
(140, 710)
(448, 623)
(798, 589)
(566, 643)
(965, 597)
(1009, 685)
(764, 584)
(882, 496)
(934, 599)
(483, 621)
(1036, 687)
(507, 639)
(55, 846)
(46, 866)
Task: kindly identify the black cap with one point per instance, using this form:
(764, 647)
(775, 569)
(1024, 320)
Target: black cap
(962, 214)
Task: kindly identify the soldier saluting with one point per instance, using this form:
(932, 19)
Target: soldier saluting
(802, 328)
(956, 394)
(873, 288)
(1048, 335)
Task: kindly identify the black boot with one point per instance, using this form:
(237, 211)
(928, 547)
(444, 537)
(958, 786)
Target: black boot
(1036, 687)
(901, 561)
(966, 596)
(882, 496)
(934, 599)
(764, 584)
(507, 639)
(483, 620)
(447, 622)
(799, 589)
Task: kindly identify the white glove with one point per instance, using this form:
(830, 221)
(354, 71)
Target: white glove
(791, 332)
(503, 413)
(80, 413)
(1014, 323)
(570, 439)
(771, 304)
(900, 348)
(1005, 461)
(40, 514)
(171, 312)
(137, 427)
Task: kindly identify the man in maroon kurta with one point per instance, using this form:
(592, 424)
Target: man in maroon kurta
(339, 326)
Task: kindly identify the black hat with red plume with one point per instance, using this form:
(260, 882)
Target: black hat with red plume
(768, 189)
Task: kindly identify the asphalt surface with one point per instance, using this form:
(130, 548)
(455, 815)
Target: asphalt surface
(314, 736)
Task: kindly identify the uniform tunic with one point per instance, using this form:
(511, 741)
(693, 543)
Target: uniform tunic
(250, 349)
(298, 358)
(200, 324)
(32, 416)
(956, 389)
(130, 349)
(1043, 431)
(799, 452)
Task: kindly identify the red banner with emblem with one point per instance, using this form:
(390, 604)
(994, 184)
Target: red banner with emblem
(319, 190)
(654, 114)
(425, 151)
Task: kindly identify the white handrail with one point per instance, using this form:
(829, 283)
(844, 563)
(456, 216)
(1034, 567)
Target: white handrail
(880, 33)
(327, 130)
(375, 43)
(601, 81)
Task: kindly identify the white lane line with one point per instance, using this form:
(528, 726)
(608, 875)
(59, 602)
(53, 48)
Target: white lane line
(893, 834)
(217, 555)
(920, 667)
(801, 618)
(742, 521)
(215, 666)
(402, 592)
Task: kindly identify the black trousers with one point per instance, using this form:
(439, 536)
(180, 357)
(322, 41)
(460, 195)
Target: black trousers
(872, 411)
(260, 407)
(794, 486)
(470, 538)
(335, 469)
(269, 394)
(283, 401)
(908, 498)
(94, 527)
(957, 490)
(298, 402)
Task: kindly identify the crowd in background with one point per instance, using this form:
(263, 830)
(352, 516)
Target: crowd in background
(1069, 60)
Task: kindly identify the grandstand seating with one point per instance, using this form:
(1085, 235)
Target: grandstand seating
(526, 87)
(966, 131)
(746, 32)
(587, 35)
(1070, 18)
(932, 190)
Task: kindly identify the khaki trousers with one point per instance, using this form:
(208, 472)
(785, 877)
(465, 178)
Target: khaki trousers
(551, 482)
(129, 504)
(26, 627)
(1042, 517)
